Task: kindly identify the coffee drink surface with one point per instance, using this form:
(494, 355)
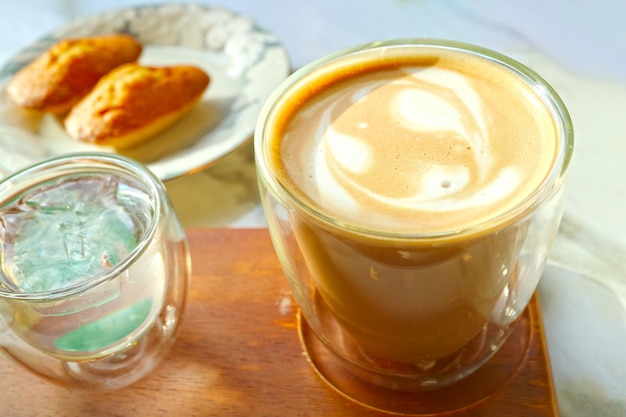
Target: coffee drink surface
(423, 143)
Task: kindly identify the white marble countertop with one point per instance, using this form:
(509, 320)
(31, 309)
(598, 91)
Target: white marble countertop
(579, 46)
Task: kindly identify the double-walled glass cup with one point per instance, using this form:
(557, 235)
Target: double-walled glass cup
(406, 311)
(94, 272)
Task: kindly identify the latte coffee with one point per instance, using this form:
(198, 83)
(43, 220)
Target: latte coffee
(413, 191)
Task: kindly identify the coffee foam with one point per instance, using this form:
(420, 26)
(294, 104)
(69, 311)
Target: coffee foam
(417, 148)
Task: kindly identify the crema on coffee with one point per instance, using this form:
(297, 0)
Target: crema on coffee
(414, 143)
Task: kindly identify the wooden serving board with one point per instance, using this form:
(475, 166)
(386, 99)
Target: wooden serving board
(239, 354)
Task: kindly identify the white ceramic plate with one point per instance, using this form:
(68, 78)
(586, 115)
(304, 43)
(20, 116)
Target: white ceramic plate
(245, 62)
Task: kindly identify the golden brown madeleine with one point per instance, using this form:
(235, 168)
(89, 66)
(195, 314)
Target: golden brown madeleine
(134, 102)
(63, 75)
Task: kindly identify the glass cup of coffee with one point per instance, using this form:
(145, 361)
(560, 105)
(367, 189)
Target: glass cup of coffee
(94, 272)
(412, 189)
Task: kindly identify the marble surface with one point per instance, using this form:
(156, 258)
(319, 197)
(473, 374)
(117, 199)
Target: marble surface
(579, 46)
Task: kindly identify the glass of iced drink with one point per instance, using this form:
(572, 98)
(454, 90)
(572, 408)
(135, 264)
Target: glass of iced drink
(412, 189)
(94, 272)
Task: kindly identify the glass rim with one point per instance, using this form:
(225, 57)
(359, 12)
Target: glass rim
(84, 162)
(544, 91)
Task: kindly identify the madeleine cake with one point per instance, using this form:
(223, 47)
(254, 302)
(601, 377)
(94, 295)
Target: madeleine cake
(64, 74)
(133, 102)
